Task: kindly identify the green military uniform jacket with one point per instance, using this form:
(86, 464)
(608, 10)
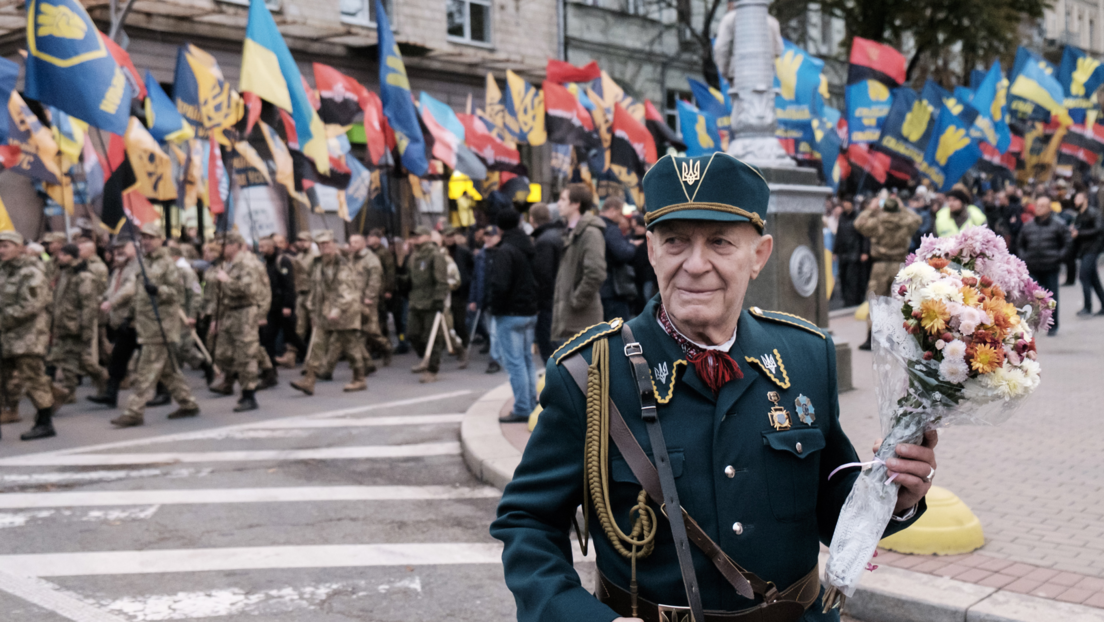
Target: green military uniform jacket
(428, 277)
(76, 303)
(161, 271)
(730, 466)
(335, 287)
(890, 232)
(24, 298)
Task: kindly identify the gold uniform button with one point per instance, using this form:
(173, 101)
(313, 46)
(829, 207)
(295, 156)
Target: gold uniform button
(799, 448)
(738, 528)
(730, 472)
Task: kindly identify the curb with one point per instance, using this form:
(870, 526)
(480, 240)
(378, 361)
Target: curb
(888, 595)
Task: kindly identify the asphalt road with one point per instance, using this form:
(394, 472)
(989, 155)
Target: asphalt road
(332, 508)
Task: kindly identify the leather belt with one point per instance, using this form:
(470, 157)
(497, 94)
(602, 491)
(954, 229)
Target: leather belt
(796, 599)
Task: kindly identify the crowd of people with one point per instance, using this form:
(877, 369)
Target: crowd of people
(137, 311)
(1053, 227)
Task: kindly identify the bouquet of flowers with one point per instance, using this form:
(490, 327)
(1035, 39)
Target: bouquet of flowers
(953, 344)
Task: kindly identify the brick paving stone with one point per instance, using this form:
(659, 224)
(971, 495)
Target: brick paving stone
(1075, 595)
(1091, 583)
(973, 575)
(952, 570)
(930, 566)
(997, 580)
(1022, 586)
(1067, 578)
(1049, 590)
(1096, 600)
(1018, 570)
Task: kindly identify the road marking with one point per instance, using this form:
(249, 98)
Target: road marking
(255, 558)
(366, 422)
(240, 495)
(20, 519)
(52, 598)
(37, 479)
(258, 455)
(168, 438)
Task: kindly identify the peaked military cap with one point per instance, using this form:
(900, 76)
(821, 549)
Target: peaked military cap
(716, 187)
(11, 236)
(152, 229)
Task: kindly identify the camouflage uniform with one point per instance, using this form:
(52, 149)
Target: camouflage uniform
(890, 230)
(239, 338)
(100, 273)
(428, 291)
(24, 333)
(367, 274)
(155, 362)
(387, 286)
(214, 307)
(191, 306)
(75, 327)
(303, 264)
(334, 288)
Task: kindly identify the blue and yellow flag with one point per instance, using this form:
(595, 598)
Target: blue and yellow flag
(69, 66)
(269, 71)
(360, 186)
(950, 153)
(38, 157)
(826, 144)
(69, 133)
(524, 111)
(908, 126)
(164, 121)
(1035, 89)
(200, 92)
(1080, 75)
(936, 95)
(9, 73)
(713, 102)
(798, 101)
(991, 101)
(699, 130)
(398, 103)
(868, 105)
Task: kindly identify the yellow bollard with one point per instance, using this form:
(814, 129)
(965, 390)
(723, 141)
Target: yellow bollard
(536, 411)
(947, 528)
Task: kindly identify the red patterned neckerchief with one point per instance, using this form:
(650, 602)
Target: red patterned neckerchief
(714, 367)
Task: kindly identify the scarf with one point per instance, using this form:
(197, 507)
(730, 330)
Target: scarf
(714, 367)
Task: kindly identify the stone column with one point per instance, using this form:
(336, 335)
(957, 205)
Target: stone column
(752, 92)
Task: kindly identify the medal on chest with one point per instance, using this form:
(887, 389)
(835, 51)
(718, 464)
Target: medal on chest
(779, 416)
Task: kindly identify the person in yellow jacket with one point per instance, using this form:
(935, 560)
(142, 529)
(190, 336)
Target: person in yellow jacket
(958, 214)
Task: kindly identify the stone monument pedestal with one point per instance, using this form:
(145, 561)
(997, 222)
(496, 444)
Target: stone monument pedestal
(793, 280)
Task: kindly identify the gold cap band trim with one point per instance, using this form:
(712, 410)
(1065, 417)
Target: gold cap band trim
(755, 219)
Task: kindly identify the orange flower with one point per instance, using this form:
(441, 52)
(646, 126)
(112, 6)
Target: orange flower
(985, 358)
(969, 296)
(938, 263)
(934, 316)
(1003, 313)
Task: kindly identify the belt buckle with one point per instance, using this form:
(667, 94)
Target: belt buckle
(670, 613)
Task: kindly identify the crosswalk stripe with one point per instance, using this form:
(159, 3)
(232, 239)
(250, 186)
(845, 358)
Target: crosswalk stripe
(168, 438)
(52, 598)
(254, 558)
(325, 453)
(366, 422)
(242, 495)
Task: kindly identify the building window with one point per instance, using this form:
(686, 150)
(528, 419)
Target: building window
(361, 12)
(273, 5)
(671, 110)
(469, 21)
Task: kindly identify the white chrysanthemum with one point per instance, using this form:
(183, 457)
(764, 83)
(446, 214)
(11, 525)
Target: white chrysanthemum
(954, 350)
(941, 289)
(918, 274)
(1007, 382)
(1031, 370)
(953, 370)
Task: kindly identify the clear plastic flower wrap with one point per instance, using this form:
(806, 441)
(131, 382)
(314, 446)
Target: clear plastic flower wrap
(953, 345)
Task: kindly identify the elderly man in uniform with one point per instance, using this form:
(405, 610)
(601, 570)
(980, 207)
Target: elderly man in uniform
(75, 325)
(726, 421)
(158, 291)
(335, 302)
(24, 333)
(240, 278)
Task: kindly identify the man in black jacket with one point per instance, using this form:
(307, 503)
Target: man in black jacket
(281, 313)
(1043, 245)
(848, 249)
(548, 239)
(457, 244)
(512, 295)
(1088, 236)
(619, 289)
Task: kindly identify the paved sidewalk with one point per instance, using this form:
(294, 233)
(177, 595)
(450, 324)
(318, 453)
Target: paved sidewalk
(1034, 483)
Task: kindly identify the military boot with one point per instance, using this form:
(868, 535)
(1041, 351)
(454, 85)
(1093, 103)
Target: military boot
(306, 385)
(226, 387)
(43, 426)
(208, 373)
(428, 377)
(358, 383)
(247, 401)
(184, 413)
(10, 414)
(387, 355)
(268, 379)
(419, 368)
(109, 396)
(128, 421)
(464, 357)
(161, 398)
(288, 359)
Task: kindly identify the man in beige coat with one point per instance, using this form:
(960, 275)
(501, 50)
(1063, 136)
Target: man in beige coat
(576, 303)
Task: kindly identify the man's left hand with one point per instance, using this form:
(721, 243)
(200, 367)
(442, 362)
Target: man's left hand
(912, 467)
(222, 276)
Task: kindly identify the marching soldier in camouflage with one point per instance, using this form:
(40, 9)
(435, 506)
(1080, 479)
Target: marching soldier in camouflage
(75, 325)
(428, 274)
(96, 266)
(119, 309)
(24, 333)
(387, 288)
(52, 241)
(890, 230)
(304, 259)
(367, 273)
(190, 307)
(156, 300)
(239, 280)
(335, 303)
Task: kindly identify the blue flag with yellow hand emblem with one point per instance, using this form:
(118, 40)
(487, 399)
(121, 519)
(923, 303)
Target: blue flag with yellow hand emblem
(699, 130)
(1080, 75)
(908, 126)
(712, 102)
(936, 95)
(868, 105)
(398, 106)
(69, 66)
(950, 153)
(1035, 89)
(991, 101)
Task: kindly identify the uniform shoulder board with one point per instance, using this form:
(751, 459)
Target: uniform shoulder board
(584, 337)
(787, 318)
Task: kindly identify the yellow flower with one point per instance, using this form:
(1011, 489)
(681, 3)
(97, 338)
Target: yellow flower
(934, 316)
(969, 296)
(986, 358)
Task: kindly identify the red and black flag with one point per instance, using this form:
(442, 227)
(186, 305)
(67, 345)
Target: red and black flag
(875, 61)
(1082, 143)
(873, 163)
(562, 72)
(342, 98)
(631, 147)
(567, 121)
(661, 132)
